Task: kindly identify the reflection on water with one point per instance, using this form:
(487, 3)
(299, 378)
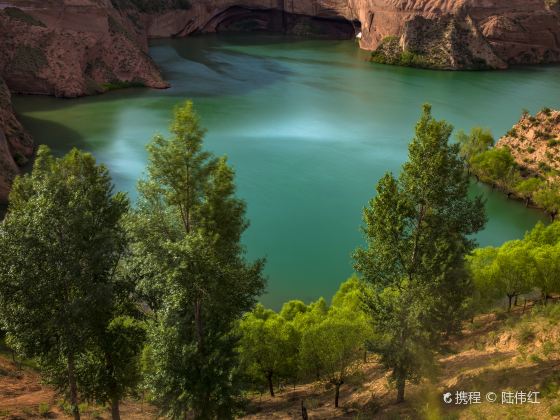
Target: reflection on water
(310, 127)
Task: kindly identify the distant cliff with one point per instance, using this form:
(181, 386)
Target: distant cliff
(71, 48)
(447, 34)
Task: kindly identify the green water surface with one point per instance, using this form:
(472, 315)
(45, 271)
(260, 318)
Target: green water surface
(309, 126)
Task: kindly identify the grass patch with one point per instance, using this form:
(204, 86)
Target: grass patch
(120, 84)
(44, 410)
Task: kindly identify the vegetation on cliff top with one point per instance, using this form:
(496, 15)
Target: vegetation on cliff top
(525, 163)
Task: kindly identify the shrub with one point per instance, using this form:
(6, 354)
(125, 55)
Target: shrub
(512, 132)
(554, 410)
(525, 334)
(548, 348)
(553, 142)
(550, 386)
(120, 84)
(44, 409)
(535, 359)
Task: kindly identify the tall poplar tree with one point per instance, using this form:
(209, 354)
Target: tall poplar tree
(418, 230)
(192, 271)
(61, 241)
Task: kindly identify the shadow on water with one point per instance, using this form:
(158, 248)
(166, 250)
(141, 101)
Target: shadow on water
(209, 68)
(58, 137)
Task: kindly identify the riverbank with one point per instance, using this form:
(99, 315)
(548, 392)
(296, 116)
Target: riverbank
(525, 162)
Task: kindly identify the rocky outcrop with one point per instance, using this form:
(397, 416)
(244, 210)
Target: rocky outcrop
(448, 34)
(534, 143)
(463, 34)
(71, 48)
(16, 146)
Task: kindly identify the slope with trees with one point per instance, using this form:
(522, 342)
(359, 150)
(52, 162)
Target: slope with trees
(418, 230)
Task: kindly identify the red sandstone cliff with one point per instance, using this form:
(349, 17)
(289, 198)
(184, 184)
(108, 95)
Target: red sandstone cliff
(16, 145)
(71, 48)
(450, 34)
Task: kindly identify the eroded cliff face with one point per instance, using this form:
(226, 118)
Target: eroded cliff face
(16, 145)
(534, 143)
(71, 48)
(447, 34)
(464, 34)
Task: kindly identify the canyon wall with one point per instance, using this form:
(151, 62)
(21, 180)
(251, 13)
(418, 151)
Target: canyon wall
(70, 48)
(16, 145)
(447, 34)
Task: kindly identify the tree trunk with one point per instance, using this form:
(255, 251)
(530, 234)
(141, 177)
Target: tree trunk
(304, 414)
(509, 303)
(336, 393)
(400, 389)
(270, 385)
(73, 388)
(198, 323)
(115, 412)
(515, 301)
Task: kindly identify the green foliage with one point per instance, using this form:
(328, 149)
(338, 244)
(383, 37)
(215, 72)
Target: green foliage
(44, 410)
(418, 231)
(268, 347)
(306, 342)
(527, 188)
(495, 166)
(66, 216)
(120, 84)
(525, 335)
(478, 141)
(191, 270)
(390, 52)
(519, 266)
(548, 198)
(333, 349)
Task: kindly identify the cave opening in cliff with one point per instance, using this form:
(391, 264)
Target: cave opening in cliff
(242, 19)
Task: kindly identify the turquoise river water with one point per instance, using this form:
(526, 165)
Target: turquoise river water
(309, 126)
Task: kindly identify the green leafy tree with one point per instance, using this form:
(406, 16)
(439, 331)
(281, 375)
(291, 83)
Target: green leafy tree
(479, 140)
(542, 234)
(527, 188)
(61, 242)
(292, 309)
(548, 198)
(268, 347)
(547, 269)
(495, 166)
(191, 270)
(512, 270)
(335, 345)
(484, 292)
(418, 229)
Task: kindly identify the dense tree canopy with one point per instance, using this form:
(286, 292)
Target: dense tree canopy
(418, 229)
(61, 242)
(191, 269)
